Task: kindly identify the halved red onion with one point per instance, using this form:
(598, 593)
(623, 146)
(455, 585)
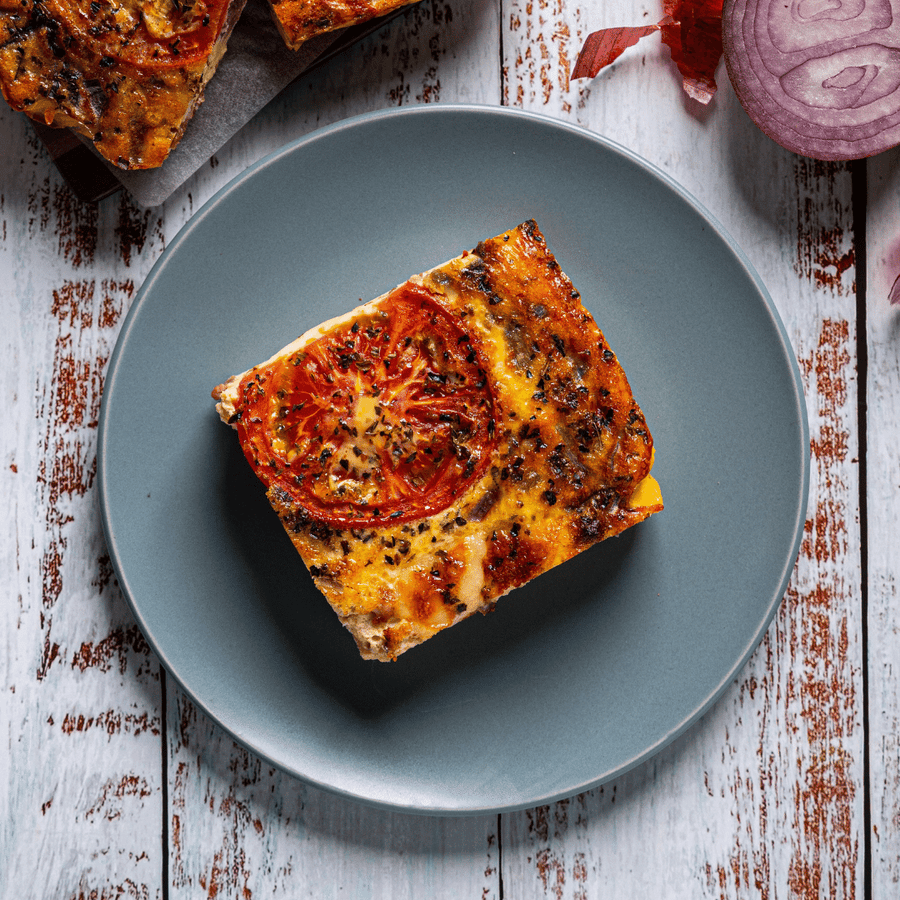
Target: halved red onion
(820, 77)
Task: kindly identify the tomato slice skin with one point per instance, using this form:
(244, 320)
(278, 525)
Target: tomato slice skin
(384, 419)
(149, 34)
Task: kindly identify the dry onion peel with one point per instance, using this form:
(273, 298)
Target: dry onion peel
(606, 45)
(820, 77)
(691, 29)
(894, 295)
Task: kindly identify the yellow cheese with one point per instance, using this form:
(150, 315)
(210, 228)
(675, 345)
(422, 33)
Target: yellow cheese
(647, 493)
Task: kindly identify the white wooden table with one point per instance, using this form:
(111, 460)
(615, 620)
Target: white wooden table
(113, 785)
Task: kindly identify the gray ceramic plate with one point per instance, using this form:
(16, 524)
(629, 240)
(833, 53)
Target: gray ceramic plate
(588, 670)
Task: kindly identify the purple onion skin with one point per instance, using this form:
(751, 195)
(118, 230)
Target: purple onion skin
(822, 80)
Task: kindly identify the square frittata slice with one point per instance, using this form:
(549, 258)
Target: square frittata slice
(446, 442)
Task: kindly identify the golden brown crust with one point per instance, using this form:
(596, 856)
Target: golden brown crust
(299, 20)
(96, 82)
(571, 447)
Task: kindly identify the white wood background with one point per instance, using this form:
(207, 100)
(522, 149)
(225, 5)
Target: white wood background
(113, 785)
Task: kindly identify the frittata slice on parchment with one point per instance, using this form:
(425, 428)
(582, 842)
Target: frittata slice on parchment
(447, 442)
(126, 74)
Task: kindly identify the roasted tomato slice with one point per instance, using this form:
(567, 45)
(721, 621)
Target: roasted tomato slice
(145, 33)
(383, 419)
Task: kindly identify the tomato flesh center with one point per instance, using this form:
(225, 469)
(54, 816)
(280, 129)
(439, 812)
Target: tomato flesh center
(386, 418)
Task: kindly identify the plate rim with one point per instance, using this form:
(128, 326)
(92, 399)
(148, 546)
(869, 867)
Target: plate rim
(530, 118)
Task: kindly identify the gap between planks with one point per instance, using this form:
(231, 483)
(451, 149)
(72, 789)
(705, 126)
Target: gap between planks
(859, 190)
(164, 764)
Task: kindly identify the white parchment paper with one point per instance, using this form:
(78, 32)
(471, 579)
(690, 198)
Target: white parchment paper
(256, 67)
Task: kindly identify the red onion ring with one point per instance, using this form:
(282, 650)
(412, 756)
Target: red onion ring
(820, 77)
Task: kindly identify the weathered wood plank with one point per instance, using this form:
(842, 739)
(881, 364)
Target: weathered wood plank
(238, 827)
(241, 828)
(764, 797)
(80, 708)
(883, 488)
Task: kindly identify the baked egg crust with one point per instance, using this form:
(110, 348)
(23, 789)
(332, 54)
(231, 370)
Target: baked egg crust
(446, 442)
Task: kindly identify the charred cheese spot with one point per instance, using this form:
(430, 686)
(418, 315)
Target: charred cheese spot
(513, 558)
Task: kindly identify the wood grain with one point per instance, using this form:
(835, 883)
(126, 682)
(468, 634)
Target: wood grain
(240, 828)
(81, 711)
(883, 486)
